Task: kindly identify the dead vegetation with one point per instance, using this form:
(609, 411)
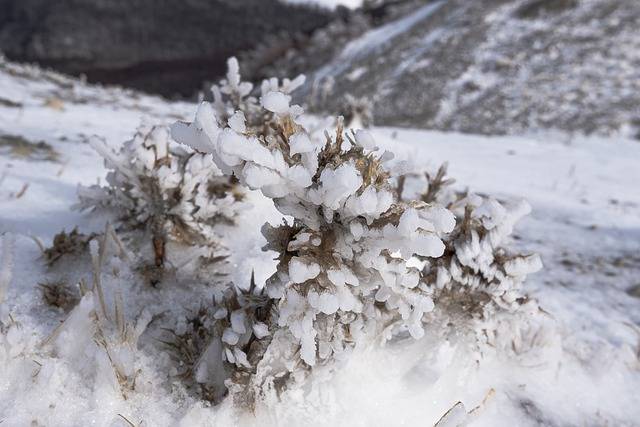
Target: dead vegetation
(21, 148)
(59, 294)
(111, 332)
(188, 347)
(73, 243)
(606, 267)
(634, 290)
(54, 103)
(4, 102)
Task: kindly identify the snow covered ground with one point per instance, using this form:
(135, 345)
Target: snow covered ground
(581, 368)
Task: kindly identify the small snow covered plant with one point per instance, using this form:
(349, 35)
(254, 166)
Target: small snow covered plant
(478, 280)
(344, 262)
(172, 195)
(476, 263)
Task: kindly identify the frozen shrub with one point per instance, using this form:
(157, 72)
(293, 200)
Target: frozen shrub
(169, 194)
(344, 261)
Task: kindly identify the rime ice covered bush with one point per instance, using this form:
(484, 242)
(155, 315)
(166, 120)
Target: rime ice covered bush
(345, 261)
(171, 195)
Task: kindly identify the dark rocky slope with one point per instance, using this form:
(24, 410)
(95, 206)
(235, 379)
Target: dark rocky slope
(163, 46)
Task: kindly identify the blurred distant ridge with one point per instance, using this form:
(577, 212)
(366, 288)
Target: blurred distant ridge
(163, 46)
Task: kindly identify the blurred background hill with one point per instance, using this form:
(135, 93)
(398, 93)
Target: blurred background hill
(163, 46)
(483, 66)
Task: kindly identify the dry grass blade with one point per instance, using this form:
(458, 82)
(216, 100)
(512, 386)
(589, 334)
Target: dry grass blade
(6, 264)
(119, 315)
(98, 253)
(82, 284)
(126, 420)
(39, 243)
(22, 191)
(457, 415)
(123, 253)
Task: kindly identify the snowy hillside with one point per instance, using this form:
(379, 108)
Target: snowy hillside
(580, 365)
(494, 67)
